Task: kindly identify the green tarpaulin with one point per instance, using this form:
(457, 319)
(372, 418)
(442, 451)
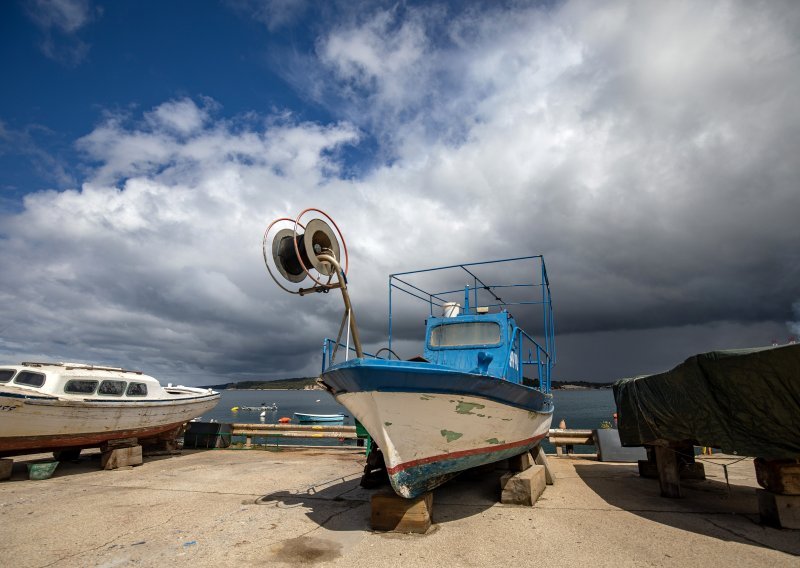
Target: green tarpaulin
(745, 402)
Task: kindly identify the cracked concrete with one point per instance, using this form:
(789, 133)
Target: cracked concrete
(305, 507)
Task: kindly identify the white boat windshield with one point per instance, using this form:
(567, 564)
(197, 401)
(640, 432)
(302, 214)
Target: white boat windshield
(465, 334)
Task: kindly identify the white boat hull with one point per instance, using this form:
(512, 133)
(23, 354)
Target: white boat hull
(426, 438)
(31, 424)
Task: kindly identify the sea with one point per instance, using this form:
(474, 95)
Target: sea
(580, 409)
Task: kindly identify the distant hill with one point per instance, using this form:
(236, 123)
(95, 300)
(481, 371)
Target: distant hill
(288, 384)
(568, 385)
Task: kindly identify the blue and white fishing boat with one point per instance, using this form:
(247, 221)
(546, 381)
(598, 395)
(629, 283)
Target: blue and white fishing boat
(480, 391)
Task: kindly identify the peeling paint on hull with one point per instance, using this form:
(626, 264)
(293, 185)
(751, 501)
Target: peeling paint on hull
(427, 438)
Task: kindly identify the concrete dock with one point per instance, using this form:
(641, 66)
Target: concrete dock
(305, 507)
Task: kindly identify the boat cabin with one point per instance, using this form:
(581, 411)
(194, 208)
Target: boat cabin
(85, 381)
(484, 343)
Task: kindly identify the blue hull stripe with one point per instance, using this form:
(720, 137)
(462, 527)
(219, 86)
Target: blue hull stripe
(370, 375)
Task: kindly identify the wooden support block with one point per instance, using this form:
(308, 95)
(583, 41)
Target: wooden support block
(6, 465)
(248, 442)
(120, 457)
(523, 488)
(393, 513)
(692, 470)
(539, 458)
(520, 462)
(778, 476)
(121, 443)
(668, 471)
(781, 511)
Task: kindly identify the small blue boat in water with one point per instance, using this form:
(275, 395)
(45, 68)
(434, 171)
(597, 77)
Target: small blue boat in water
(480, 390)
(302, 417)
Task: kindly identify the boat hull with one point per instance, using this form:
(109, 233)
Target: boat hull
(45, 423)
(432, 423)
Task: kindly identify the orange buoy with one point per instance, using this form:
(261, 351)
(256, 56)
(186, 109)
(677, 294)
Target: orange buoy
(284, 420)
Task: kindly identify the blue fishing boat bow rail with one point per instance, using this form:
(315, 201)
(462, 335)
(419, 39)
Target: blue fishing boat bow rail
(484, 304)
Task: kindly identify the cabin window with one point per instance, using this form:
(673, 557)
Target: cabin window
(80, 386)
(137, 389)
(115, 388)
(30, 379)
(465, 334)
(6, 374)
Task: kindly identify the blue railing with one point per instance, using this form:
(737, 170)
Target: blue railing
(328, 347)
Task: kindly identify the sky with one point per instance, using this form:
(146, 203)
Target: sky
(649, 150)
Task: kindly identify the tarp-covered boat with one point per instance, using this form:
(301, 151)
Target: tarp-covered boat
(746, 402)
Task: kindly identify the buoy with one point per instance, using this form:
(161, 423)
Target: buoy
(284, 420)
(234, 409)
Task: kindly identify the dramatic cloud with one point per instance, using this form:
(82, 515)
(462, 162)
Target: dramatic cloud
(646, 149)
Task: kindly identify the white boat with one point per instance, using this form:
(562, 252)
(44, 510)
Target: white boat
(56, 406)
(303, 417)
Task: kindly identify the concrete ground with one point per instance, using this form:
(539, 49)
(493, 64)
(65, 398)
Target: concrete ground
(305, 507)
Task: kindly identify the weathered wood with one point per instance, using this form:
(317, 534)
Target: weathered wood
(563, 439)
(6, 466)
(540, 458)
(778, 476)
(668, 471)
(781, 511)
(294, 427)
(520, 462)
(121, 457)
(523, 488)
(393, 513)
(121, 443)
(288, 434)
(573, 441)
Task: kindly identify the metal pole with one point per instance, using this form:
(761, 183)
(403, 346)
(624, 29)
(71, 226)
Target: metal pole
(346, 298)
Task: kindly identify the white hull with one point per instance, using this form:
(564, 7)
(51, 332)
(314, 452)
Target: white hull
(48, 424)
(426, 438)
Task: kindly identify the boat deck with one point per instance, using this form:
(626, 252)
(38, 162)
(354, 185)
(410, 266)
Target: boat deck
(229, 507)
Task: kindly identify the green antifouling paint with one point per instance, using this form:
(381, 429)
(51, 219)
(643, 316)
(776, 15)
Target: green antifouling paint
(467, 407)
(495, 441)
(450, 435)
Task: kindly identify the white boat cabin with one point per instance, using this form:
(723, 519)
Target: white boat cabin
(82, 381)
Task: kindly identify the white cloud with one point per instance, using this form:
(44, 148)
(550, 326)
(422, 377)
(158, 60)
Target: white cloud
(646, 149)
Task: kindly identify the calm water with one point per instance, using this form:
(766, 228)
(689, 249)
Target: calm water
(579, 409)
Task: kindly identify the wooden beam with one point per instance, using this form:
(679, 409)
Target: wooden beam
(540, 458)
(520, 462)
(778, 476)
(121, 457)
(523, 488)
(393, 513)
(6, 466)
(668, 471)
(781, 511)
